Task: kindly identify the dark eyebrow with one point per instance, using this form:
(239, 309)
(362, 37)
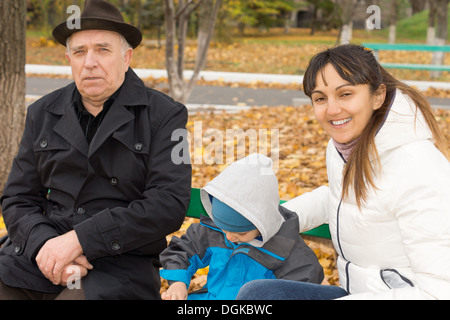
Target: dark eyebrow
(316, 91)
(337, 88)
(344, 85)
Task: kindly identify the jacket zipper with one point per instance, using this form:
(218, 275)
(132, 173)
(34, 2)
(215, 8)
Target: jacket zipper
(347, 287)
(337, 230)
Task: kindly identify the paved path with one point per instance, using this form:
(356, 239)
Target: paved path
(220, 97)
(206, 95)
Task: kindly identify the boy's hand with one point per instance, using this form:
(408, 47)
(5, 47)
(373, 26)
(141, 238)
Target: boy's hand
(177, 291)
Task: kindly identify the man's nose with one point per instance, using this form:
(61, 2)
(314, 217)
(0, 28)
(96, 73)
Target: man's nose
(91, 60)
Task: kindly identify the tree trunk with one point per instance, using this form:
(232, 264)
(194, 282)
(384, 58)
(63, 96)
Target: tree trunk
(287, 22)
(417, 5)
(441, 33)
(393, 22)
(12, 81)
(183, 22)
(175, 82)
(431, 30)
(313, 19)
(208, 15)
(347, 23)
(179, 89)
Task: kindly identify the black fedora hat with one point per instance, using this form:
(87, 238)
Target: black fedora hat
(99, 15)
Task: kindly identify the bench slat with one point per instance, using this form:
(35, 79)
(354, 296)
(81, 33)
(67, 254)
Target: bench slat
(433, 67)
(195, 206)
(406, 47)
(409, 47)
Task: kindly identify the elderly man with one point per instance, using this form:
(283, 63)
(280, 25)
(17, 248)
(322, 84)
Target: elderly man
(93, 191)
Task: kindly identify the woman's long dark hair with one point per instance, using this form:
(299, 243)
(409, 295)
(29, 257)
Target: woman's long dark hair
(357, 65)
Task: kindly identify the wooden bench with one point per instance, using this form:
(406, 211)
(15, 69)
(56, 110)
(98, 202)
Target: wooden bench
(376, 47)
(196, 209)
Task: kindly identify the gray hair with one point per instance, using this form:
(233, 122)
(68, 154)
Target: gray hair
(124, 42)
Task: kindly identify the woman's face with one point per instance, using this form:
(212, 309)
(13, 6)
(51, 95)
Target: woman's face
(342, 109)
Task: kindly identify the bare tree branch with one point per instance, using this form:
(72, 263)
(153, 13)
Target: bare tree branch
(186, 6)
(195, 6)
(171, 66)
(204, 38)
(179, 89)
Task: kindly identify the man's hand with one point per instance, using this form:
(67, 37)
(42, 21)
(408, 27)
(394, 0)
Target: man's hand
(68, 271)
(177, 291)
(59, 252)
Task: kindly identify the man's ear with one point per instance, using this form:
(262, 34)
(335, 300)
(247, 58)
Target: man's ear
(127, 58)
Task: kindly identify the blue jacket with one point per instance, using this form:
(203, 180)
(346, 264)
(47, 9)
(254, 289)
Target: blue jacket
(231, 265)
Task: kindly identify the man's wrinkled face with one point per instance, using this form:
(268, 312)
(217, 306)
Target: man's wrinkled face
(99, 61)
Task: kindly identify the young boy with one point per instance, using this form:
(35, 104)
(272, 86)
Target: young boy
(247, 236)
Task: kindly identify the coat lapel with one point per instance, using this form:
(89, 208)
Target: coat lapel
(116, 117)
(69, 128)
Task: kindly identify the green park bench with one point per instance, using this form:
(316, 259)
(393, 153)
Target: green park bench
(376, 47)
(196, 209)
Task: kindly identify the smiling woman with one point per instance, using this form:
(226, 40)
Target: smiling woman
(341, 108)
(352, 96)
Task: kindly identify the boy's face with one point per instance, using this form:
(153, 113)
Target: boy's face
(242, 236)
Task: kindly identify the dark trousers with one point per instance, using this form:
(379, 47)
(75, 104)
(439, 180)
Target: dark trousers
(11, 293)
(280, 289)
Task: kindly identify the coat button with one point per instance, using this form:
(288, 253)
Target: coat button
(114, 181)
(115, 245)
(81, 210)
(138, 146)
(43, 143)
(17, 249)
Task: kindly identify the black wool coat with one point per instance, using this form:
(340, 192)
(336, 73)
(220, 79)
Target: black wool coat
(122, 193)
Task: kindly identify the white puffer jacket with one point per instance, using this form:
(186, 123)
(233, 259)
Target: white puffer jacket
(398, 245)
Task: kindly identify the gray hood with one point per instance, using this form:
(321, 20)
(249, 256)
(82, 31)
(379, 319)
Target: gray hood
(250, 187)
